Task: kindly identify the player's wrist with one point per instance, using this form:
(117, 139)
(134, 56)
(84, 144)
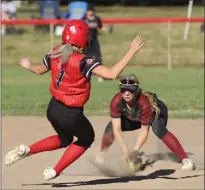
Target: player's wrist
(28, 67)
(125, 150)
(132, 51)
(136, 149)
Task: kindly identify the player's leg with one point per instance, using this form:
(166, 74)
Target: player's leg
(79, 126)
(107, 138)
(63, 137)
(48, 144)
(160, 130)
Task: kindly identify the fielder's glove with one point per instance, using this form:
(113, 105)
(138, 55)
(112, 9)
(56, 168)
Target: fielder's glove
(135, 160)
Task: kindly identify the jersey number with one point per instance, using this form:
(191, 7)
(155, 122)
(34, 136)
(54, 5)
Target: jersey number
(60, 77)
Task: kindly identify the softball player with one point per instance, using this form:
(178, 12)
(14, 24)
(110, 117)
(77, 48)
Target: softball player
(132, 109)
(71, 71)
(95, 24)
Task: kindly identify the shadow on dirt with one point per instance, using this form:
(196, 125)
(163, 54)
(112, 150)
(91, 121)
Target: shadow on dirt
(167, 156)
(163, 174)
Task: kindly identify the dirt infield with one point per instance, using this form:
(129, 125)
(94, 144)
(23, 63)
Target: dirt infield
(27, 174)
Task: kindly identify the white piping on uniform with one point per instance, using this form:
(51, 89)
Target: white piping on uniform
(45, 62)
(91, 69)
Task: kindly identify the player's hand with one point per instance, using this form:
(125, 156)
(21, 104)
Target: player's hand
(126, 157)
(25, 63)
(137, 44)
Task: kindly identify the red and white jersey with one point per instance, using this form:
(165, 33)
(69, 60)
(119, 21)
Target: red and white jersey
(70, 83)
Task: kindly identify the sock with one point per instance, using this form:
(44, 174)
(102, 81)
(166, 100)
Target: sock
(47, 144)
(174, 145)
(72, 153)
(107, 141)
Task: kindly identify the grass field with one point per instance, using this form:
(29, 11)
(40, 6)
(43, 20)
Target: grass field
(182, 89)
(24, 93)
(184, 53)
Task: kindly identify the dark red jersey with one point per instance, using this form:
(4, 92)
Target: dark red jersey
(70, 83)
(142, 109)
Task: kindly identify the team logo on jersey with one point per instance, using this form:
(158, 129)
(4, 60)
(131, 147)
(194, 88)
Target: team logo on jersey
(89, 61)
(93, 25)
(67, 37)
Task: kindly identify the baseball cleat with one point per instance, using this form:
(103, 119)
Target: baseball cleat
(49, 173)
(188, 164)
(18, 153)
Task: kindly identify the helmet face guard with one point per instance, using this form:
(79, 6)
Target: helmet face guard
(129, 82)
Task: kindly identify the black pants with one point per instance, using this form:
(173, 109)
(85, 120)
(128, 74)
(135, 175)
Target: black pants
(94, 51)
(126, 125)
(158, 125)
(69, 122)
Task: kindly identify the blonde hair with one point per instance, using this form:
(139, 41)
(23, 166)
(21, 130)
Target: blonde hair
(65, 51)
(152, 102)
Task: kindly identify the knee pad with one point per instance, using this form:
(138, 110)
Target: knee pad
(159, 131)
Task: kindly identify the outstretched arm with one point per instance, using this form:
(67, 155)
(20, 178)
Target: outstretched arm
(147, 117)
(141, 139)
(115, 70)
(37, 69)
(116, 124)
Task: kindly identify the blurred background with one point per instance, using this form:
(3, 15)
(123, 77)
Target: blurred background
(170, 64)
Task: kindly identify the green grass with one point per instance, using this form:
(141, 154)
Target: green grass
(182, 89)
(24, 93)
(117, 11)
(188, 53)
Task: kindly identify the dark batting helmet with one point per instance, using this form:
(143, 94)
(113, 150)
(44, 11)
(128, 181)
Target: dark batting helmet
(129, 82)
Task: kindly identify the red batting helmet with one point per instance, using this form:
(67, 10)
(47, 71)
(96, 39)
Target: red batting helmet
(76, 32)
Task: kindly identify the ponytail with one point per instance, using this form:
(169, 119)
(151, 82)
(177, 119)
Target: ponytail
(65, 51)
(153, 102)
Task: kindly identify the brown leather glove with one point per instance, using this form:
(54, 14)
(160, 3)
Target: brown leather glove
(135, 159)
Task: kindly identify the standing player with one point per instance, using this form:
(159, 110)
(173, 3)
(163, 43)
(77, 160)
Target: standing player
(70, 86)
(95, 24)
(132, 109)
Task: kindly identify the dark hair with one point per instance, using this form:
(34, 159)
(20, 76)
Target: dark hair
(90, 7)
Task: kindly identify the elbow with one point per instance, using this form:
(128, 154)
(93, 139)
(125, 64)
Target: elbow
(39, 73)
(112, 75)
(106, 73)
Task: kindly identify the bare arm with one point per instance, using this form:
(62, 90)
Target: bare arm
(144, 132)
(103, 29)
(116, 124)
(37, 69)
(115, 70)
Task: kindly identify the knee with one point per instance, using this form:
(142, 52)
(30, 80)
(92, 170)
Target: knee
(66, 141)
(159, 131)
(86, 142)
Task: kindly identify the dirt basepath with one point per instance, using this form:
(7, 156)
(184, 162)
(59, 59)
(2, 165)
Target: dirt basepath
(27, 174)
